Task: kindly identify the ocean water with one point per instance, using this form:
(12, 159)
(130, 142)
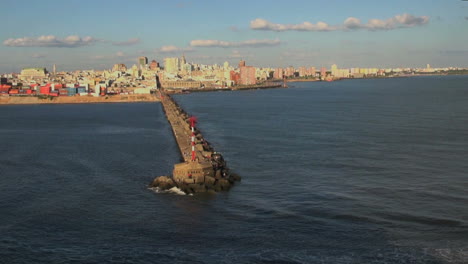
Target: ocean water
(356, 171)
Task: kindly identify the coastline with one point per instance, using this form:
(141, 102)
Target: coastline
(27, 100)
(137, 98)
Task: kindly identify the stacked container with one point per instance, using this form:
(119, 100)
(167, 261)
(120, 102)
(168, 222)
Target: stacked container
(45, 89)
(71, 91)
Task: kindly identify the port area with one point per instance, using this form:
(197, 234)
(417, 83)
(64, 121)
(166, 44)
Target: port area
(202, 169)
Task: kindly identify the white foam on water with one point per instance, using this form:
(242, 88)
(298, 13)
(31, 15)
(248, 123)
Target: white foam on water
(173, 190)
(176, 190)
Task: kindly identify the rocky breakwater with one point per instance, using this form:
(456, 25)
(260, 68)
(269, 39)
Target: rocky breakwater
(202, 168)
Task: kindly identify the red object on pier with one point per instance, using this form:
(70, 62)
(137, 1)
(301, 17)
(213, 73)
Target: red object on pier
(193, 121)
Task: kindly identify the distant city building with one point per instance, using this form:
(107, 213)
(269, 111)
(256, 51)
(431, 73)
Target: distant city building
(142, 62)
(241, 63)
(278, 74)
(334, 70)
(247, 75)
(183, 61)
(171, 65)
(302, 72)
(323, 72)
(178, 84)
(311, 71)
(119, 67)
(234, 76)
(32, 73)
(154, 65)
(289, 72)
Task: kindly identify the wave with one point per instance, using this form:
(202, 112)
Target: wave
(173, 190)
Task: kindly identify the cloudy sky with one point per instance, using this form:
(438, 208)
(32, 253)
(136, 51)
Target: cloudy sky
(92, 34)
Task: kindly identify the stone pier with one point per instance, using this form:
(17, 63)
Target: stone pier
(207, 171)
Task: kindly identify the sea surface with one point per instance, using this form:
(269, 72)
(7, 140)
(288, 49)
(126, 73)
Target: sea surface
(355, 171)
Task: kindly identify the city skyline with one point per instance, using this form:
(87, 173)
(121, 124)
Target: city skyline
(84, 35)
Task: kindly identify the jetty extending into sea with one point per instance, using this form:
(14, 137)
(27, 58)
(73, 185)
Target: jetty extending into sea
(202, 168)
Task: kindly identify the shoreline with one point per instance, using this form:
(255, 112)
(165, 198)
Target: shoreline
(30, 100)
(141, 98)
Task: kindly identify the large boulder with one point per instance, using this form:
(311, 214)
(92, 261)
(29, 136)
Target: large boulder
(163, 183)
(197, 188)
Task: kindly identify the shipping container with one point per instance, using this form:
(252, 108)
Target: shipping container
(14, 91)
(4, 90)
(71, 91)
(45, 90)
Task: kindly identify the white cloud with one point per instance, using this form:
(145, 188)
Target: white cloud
(227, 44)
(351, 23)
(262, 24)
(120, 54)
(130, 42)
(50, 41)
(174, 49)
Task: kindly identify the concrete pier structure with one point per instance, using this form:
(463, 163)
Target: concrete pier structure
(202, 169)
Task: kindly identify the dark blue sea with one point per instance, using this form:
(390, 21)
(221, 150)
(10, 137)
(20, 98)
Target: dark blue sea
(355, 171)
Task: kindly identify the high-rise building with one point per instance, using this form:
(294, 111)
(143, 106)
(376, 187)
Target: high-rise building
(311, 71)
(171, 65)
(119, 67)
(278, 74)
(247, 75)
(183, 61)
(334, 70)
(154, 65)
(323, 72)
(142, 62)
(302, 71)
(289, 72)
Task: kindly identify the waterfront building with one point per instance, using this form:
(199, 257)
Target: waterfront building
(181, 84)
(290, 71)
(302, 71)
(247, 75)
(32, 73)
(334, 70)
(311, 71)
(278, 74)
(234, 76)
(323, 72)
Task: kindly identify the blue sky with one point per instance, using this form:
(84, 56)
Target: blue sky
(96, 34)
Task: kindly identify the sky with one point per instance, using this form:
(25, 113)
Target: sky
(95, 34)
